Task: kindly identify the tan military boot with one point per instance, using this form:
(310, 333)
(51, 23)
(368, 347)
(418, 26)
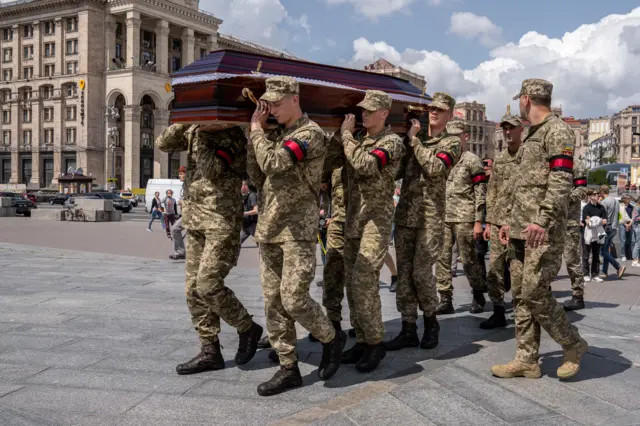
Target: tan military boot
(571, 360)
(517, 368)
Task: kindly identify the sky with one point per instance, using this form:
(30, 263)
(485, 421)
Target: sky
(473, 49)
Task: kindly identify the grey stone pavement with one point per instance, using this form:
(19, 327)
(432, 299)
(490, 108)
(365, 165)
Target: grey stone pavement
(91, 336)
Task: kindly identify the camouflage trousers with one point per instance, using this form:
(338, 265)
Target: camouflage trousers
(462, 235)
(497, 265)
(417, 250)
(573, 259)
(534, 306)
(210, 255)
(333, 273)
(363, 259)
(286, 271)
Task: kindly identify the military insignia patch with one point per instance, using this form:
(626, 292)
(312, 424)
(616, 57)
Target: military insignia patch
(567, 149)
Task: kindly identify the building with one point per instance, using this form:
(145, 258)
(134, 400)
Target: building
(598, 127)
(625, 127)
(382, 66)
(580, 129)
(482, 131)
(601, 151)
(85, 83)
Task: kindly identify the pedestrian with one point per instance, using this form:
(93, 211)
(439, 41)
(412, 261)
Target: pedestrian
(611, 228)
(535, 234)
(156, 211)
(625, 228)
(213, 227)
(179, 251)
(169, 205)
(466, 191)
(502, 176)
(371, 159)
(419, 220)
(250, 212)
(635, 220)
(594, 220)
(286, 165)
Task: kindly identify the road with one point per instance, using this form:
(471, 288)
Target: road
(136, 215)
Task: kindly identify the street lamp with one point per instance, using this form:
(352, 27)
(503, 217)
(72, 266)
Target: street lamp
(113, 114)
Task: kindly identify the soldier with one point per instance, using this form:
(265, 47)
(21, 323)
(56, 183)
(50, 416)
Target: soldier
(419, 222)
(573, 241)
(499, 189)
(371, 161)
(286, 165)
(535, 232)
(212, 216)
(465, 200)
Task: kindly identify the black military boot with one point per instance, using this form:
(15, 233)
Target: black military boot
(431, 333)
(354, 354)
(496, 320)
(477, 305)
(338, 327)
(408, 338)
(445, 307)
(287, 377)
(331, 356)
(209, 358)
(574, 304)
(248, 344)
(371, 358)
(273, 357)
(264, 343)
(394, 283)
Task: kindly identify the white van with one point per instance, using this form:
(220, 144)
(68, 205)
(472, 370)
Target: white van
(161, 186)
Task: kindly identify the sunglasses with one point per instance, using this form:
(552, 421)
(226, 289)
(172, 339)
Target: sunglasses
(486, 164)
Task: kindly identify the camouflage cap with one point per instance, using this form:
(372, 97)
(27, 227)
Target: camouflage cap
(514, 120)
(443, 100)
(456, 127)
(535, 86)
(375, 100)
(279, 87)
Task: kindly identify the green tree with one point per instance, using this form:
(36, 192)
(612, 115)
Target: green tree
(597, 177)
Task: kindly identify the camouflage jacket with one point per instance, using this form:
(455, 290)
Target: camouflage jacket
(544, 180)
(578, 194)
(216, 165)
(424, 173)
(338, 206)
(500, 187)
(466, 190)
(370, 165)
(286, 166)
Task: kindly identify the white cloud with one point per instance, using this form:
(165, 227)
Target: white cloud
(331, 43)
(595, 69)
(373, 9)
(471, 26)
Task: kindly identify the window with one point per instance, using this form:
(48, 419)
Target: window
(72, 47)
(71, 90)
(203, 53)
(6, 95)
(27, 52)
(49, 70)
(474, 116)
(49, 27)
(7, 75)
(176, 44)
(175, 166)
(119, 31)
(634, 121)
(148, 40)
(6, 117)
(6, 171)
(26, 171)
(468, 115)
(27, 72)
(49, 49)
(47, 92)
(48, 171)
(71, 136)
(71, 113)
(146, 140)
(26, 137)
(28, 31)
(48, 114)
(7, 55)
(72, 25)
(118, 50)
(69, 164)
(26, 116)
(6, 137)
(48, 136)
(175, 64)
(7, 34)
(72, 67)
(147, 120)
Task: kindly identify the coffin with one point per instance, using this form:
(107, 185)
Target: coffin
(210, 90)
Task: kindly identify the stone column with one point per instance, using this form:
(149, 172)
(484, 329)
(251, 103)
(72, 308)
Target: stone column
(133, 39)
(17, 53)
(110, 40)
(162, 46)
(131, 161)
(160, 158)
(212, 42)
(37, 47)
(188, 48)
(15, 135)
(35, 142)
(60, 50)
(58, 128)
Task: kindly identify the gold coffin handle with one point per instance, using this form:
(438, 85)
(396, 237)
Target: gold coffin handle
(413, 108)
(247, 93)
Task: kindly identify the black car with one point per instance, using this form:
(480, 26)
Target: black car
(59, 199)
(119, 203)
(22, 205)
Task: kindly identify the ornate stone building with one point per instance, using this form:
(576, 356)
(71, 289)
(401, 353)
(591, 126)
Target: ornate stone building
(382, 66)
(85, 83)
(482, 130)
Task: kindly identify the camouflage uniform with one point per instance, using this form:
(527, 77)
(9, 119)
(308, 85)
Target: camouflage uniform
(286, 164)
(541, 187)
(573, 241)
(212, 216)
(465, 201)
(333, 273)
(420, 216)
(370, 166)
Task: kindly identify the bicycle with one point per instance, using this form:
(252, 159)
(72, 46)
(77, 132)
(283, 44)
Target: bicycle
(75, 213)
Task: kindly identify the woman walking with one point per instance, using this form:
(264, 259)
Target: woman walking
(156, 211)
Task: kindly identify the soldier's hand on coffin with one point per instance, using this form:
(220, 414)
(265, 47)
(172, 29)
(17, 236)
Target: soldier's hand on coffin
(349, 123)
(534, 235)
(260, 115)
(414, 129)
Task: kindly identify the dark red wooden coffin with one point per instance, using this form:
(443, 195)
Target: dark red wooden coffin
(211, 90)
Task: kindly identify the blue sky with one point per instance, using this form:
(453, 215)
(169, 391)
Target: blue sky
(473, 49)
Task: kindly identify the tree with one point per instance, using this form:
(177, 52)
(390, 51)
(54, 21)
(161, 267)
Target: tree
(597, 177)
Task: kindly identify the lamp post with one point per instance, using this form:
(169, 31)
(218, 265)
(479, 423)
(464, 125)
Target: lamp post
(113, 114)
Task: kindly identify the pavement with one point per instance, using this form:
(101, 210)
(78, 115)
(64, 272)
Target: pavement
(93, 322)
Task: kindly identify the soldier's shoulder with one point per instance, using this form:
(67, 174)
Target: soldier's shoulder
(391, 137)
(557, 125)
(310, 130)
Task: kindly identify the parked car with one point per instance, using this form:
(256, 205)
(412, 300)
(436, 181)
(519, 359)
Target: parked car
(127, 195)
(22, 205)
(119, 203)
(59, 199)
(31, 198)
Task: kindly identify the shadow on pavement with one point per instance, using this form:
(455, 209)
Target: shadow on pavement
(596, 364)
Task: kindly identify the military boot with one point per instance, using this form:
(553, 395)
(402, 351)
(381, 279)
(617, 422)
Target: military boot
(248, 344)
(287, 377)
(394, 284)
(371, 358)
(354, 354)
(331, 356)
(264, 343)
(209, 358)
(571, 360)
(338, 327)
(496, 320)
(517, 368)
(574, 304)
(408, 338)
(431, 333)
(445, 306)
(477, 305)
(273, 357)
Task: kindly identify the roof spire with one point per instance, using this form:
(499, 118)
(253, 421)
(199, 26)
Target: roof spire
(508, 110)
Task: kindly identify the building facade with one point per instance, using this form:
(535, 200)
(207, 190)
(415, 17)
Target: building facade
(482, 131)
(85, 83)
(382, 66)
(625, 128)
(598, 127)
